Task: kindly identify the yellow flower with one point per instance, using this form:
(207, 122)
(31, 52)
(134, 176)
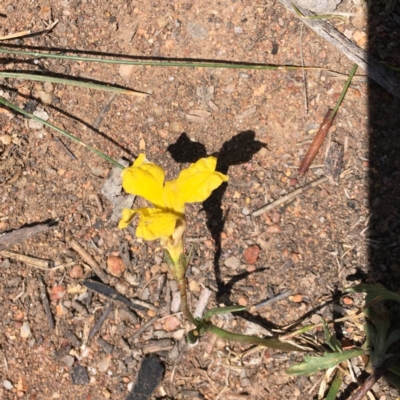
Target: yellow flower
(166, 219)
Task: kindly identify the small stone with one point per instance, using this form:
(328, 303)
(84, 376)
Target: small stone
(176, 127)
(76, 272)
(275, 228)
(80, 375)
(8, 385)
(68, 360)
(171, 323)
(125, 71)
(194, 286)
(176, 302)
(251, 254)
(151, 313)
(36, 124)
(25, 330)
(242, 301)
(232, 262)
(360, 38)
(245, 211)
(45, 97)
(104, 363)
(115, 266)
(347, 300)
(297, 298)
(5, 139)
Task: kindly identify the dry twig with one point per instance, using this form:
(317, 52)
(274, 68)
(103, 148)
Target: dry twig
(45, 302)
(289, 196)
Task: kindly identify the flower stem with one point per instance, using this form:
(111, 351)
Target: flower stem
(270, 343)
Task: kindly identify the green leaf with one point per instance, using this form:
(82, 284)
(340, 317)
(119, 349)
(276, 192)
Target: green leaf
(311, 365)
(331, 340)
(374, 291)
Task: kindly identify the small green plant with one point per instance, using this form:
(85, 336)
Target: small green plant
(381, 348)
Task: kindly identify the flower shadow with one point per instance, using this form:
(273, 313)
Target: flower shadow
(238, 150)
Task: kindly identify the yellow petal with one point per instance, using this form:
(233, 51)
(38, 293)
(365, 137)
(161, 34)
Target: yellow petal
(155, 223)
(144, 179)
(127, 216)
(194, 184)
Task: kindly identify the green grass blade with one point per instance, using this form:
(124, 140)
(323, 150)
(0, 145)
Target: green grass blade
(155, 63)
(62, 131)
(71, 82)
(311, 365)
(344, 90)
(335, 385)
(375, 290)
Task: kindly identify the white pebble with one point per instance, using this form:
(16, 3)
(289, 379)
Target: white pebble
(8, 385)
(245, 211)
(25, 330)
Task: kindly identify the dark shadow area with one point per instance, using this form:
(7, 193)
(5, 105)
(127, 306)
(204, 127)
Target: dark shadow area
(33, 102)
(384, 149)
(238, 150)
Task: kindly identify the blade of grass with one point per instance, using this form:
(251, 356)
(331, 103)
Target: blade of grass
(62, 131)
(172, 63)
(71, 82)
(335, 385)
(319, 16)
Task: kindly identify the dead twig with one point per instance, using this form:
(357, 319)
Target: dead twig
(28, 260)
(87, 258)
(375, 70)
(289, 196)
(16, 236)
(45, 302)
(317, 142)
(97, 326)
(144, 327)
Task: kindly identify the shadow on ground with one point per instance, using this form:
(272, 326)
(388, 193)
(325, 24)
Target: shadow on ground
(238, 150)
(384, 150)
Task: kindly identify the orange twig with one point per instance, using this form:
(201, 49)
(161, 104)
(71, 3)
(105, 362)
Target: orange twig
(317, 142)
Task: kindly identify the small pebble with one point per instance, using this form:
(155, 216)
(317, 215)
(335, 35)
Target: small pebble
(297, 298)
(104, 363)
(80, 375)
(245, 211)
(347, 300)
(5, 139)
(76, 272)
(8, 385)
(171, 323)
(125, 71)
(25, 330)
(251, 254)
(115, 266)
(232, 262)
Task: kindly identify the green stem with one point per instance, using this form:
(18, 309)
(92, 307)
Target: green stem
(59, 130)
(344, 91)
(174, 63)
(71, 82)
(271, 343)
